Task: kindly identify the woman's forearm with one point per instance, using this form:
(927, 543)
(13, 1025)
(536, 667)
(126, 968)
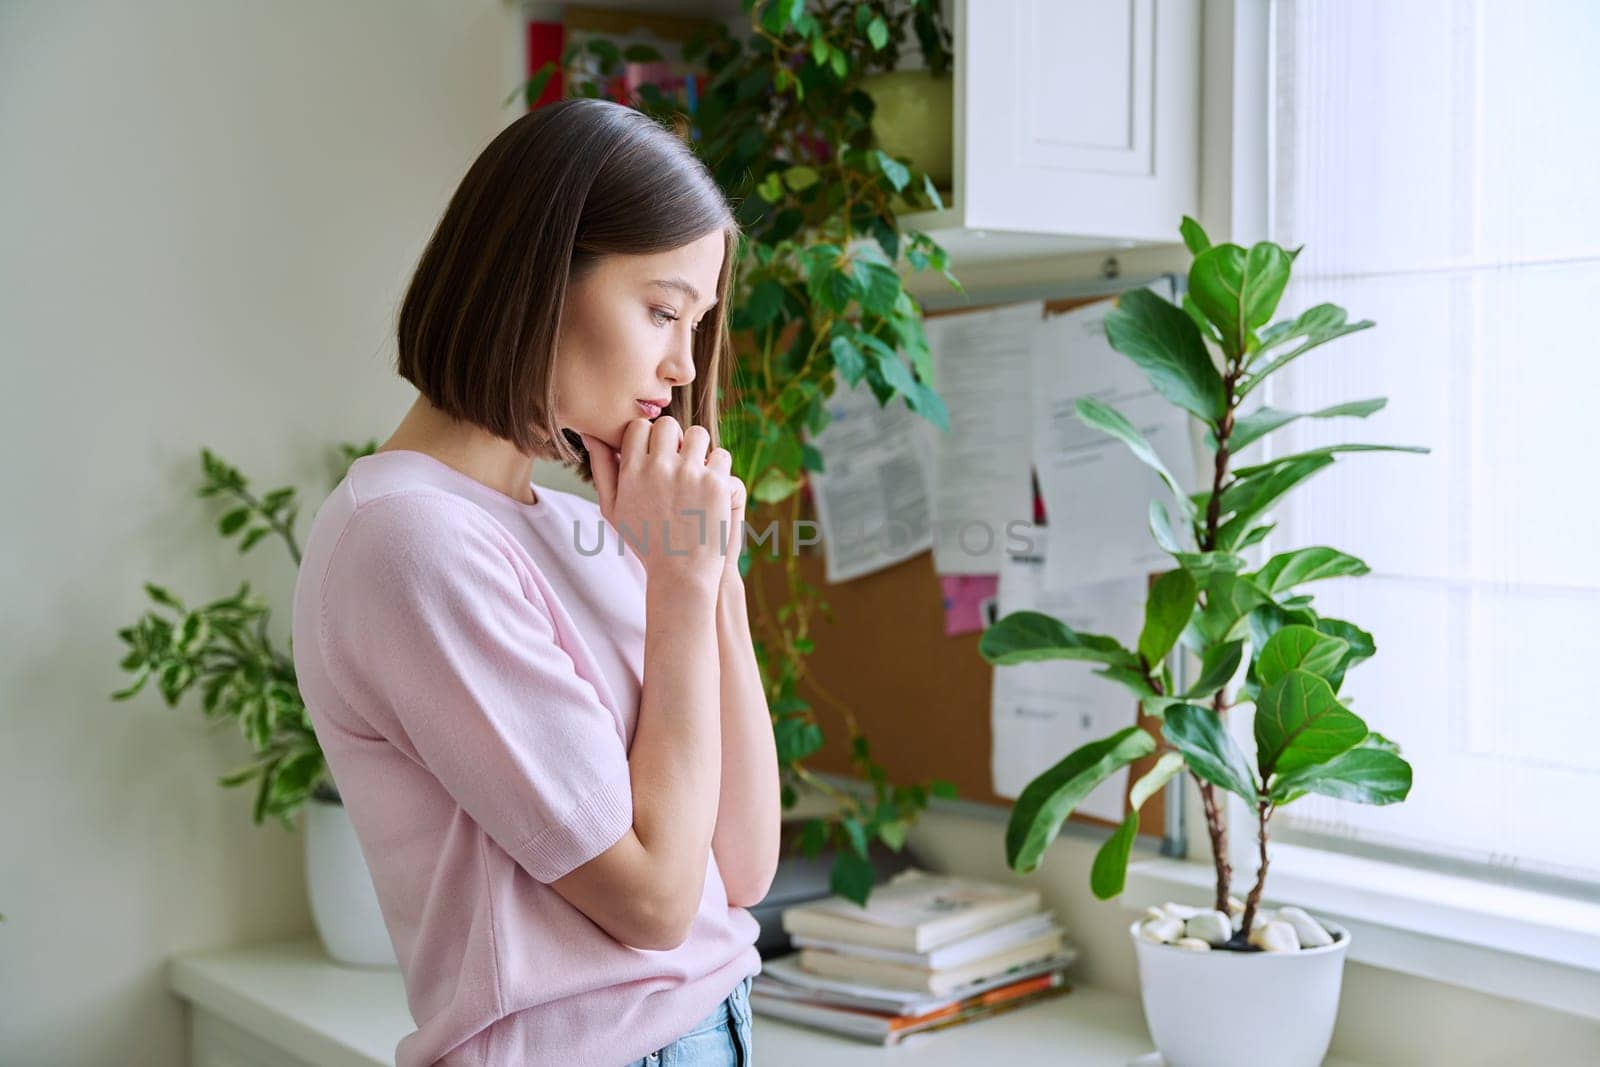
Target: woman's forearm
(674, 761)
(745, 839)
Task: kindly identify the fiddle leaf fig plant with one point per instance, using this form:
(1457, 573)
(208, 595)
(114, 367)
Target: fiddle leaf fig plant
(785, 127)
(1253, 631)
(223, 649)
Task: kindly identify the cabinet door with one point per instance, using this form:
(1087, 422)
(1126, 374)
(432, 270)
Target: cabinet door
(1079, 117)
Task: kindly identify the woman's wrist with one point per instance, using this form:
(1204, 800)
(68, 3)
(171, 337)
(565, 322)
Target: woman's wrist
(731, 605)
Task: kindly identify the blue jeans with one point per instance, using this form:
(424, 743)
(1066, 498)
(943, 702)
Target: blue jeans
(721, 1039)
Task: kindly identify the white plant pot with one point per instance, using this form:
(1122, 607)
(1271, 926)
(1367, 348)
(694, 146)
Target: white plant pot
(1223, 1009)
(344, 905)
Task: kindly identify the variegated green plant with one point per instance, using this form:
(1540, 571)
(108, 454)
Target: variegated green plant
(223, 648)
(1208, 357)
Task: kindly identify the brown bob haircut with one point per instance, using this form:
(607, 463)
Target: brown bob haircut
(554, 192)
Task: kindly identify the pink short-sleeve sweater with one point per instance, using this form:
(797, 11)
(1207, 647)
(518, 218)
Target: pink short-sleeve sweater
(472, 665)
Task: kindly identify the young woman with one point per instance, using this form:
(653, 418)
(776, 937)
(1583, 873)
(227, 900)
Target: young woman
(552, 740)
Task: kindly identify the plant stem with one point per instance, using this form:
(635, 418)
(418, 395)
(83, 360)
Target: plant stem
(1217, 827)
(1216, 824)
(1263, 813)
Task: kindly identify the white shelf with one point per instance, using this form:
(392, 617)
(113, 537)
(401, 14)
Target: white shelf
(286, 1003)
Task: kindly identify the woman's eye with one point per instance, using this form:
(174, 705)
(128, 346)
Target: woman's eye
(658, 315)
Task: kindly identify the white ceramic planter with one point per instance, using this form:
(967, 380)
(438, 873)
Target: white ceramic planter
(344, 904)
(1224, 1009)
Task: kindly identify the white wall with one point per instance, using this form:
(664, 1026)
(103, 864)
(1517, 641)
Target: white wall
(208, 212)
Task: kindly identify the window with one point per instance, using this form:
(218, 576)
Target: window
(1438, 160)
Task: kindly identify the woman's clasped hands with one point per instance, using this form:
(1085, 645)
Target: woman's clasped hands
(674, 499)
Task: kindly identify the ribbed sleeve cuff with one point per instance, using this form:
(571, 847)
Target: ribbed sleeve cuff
(588, 830)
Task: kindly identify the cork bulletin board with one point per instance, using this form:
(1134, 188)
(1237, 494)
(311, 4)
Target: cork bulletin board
(921, 698)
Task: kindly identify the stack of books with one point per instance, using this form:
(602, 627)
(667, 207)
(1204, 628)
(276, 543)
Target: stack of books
(927, 952)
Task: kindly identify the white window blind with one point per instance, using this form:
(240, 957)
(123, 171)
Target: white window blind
(1439, 161)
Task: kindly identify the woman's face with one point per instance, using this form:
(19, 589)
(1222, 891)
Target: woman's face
(627, 334)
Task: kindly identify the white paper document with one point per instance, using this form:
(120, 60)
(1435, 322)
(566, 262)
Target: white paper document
(980, 467)
(1041, 711)
(872, 494)
(1096, 492)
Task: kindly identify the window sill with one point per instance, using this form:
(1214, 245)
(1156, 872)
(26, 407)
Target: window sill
(1513, 943)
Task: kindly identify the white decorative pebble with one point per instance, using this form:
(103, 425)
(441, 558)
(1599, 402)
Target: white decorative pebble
(1193, 944)
(1181, 911)
(1235, 906)
(1275, 937)
(1161, 930)
(1309, 931)
(1154, 912)
(1212, 927)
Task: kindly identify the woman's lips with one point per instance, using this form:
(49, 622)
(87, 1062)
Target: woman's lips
(650, 410)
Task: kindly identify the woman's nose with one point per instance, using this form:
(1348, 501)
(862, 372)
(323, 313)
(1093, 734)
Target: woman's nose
(679, 368)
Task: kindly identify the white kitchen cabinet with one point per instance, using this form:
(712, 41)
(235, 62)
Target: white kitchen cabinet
(1076, 126)
(1076, 122)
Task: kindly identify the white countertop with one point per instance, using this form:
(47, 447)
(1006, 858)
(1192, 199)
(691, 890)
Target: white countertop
(291, 995)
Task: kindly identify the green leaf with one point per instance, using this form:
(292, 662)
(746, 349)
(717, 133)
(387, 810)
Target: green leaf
(763, 304)
(1166, 612)
(254, 534)
(1300, 648)
(1252, 427)
(1194, 238)
(1366, 774)
(1229, 600)
(1046, 801)
(1318, 325)
(1203, 324)
(1203, 565)
(848, 359)
(852, 877)
(1217, 667)
(1028, 636)
(1134, 678)
(192, 633)
(1110, 421)
(1210, 752)
(1239, 290)
(878, 32)
(1299, 722)
(139, 681)
(856, 835)
(1166, 345)
(1253, 493)
(1161, 528)
(1109, 873)
(231, 522)
(933, 194)
(1361, 647)
(1155, 779)
(1255, 534)
(893, 169)
(773, 486)
(1327, 451)
(1289, 569)
(161, 596)
(879, 287)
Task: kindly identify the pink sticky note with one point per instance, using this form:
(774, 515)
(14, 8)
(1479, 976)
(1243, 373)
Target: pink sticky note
(965, 598)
